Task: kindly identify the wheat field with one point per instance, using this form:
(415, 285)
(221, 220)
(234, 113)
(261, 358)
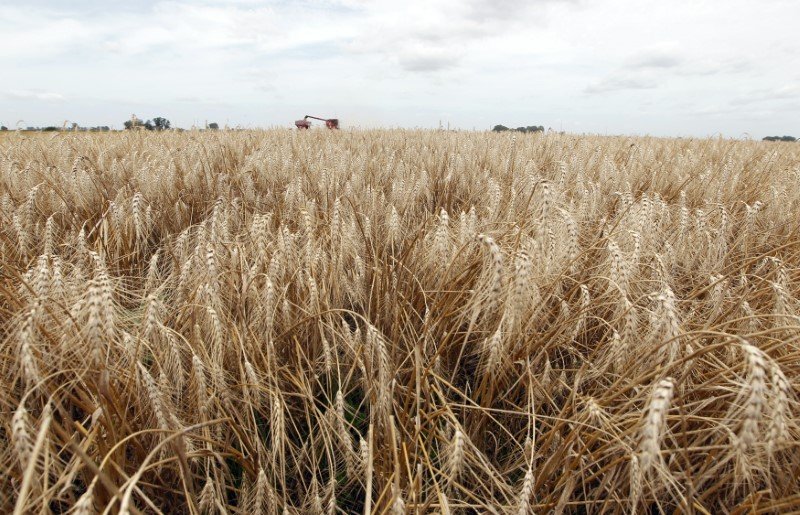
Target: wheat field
(274, 322)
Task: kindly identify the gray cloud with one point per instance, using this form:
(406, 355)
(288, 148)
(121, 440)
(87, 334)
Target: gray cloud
(714, 66)
(655, 59)
(651, 67)
(484, 10)
(190, 99)
(640, 70)
(440, 33)
(427, 63)
(788, 92)
(504, 10)
(619, 83)
(668, 59)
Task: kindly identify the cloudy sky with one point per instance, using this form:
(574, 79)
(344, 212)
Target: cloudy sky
(679, 67)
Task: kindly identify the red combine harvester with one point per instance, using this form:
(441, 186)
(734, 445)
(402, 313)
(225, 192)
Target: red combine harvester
(331, 123)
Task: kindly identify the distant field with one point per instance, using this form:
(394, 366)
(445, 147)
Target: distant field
(52, 133)
(398, 321)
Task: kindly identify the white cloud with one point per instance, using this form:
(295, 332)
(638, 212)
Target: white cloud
(47, 96)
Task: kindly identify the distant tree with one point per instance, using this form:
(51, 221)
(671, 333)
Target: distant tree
(213, 126)
(3, 128)
(529, 128)
(790, 139)
(51, 128)
(133, 123)
(161, 124)
(157, 124)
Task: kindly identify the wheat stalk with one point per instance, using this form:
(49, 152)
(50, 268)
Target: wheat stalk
(654, 422)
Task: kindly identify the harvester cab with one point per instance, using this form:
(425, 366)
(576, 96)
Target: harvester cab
(331, 123)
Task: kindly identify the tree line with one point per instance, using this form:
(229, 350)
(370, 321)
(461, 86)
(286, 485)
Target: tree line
(53, 128)
(529, 128)
(159, 123)
(791, 139)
